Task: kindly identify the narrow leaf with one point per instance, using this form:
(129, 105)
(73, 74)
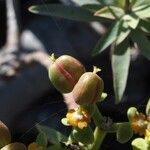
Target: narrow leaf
(107, 39)
(144, 25)
(107, 2)
(67, 12)
(139, 3)
(140, 144)
(132, 20)
(110, 12)
(120, 66)
(86, 2)
(143, 12)
(53, 136)
(132, 2)
(92, 7)
(119, 3)
(142, 42)
(123, 32)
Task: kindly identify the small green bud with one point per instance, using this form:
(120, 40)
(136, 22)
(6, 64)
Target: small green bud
(5, 136)
(148, 108)
(15, 146)
(65, 72)
(88, 89)
(132, 112)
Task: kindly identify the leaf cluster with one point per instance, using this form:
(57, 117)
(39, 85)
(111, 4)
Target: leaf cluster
(130, 26)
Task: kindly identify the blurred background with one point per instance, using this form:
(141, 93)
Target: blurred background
(26, 94)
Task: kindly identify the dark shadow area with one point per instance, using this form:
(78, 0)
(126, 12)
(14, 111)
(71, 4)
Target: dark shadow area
(28, 98)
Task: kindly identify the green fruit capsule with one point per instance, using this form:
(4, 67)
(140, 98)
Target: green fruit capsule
(15, 146)
(65, 72)
(88, 89)
(5, 136)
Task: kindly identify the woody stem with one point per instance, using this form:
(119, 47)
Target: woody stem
(127, 6)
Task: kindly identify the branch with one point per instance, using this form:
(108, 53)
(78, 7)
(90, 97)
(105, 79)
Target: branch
(127, 6)
(12, 41)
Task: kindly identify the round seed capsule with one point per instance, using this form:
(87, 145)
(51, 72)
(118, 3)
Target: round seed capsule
(5, 136)
(65, 72)
(88, 89)
(15, 146)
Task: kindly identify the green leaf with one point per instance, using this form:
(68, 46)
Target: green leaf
(56, 147)
(148, 108)
(84, 135)
(67, 12)
(140, 7)
(138, 3)
(92, 7)
(142, 42)
(144, 25)
(132, 20)
(86, 2)
(41, 139)
(53, 135)
(113, 128)
(120, 66)
(123, 32)
(132, 2)
(107, 2)
(119, 3)
(107, 39)
(110, 12)
(124, 133)
(142, 11)
(140, 144)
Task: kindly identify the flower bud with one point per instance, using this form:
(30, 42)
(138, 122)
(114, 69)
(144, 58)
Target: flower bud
(132, 112)
(148, 108)
(65, 72)
(5, 136)
(88, 89)
(15, 146)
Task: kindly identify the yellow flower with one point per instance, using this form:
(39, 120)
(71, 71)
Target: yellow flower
(78, 118)
(147, 135)
(139, 124)
(34, 146)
